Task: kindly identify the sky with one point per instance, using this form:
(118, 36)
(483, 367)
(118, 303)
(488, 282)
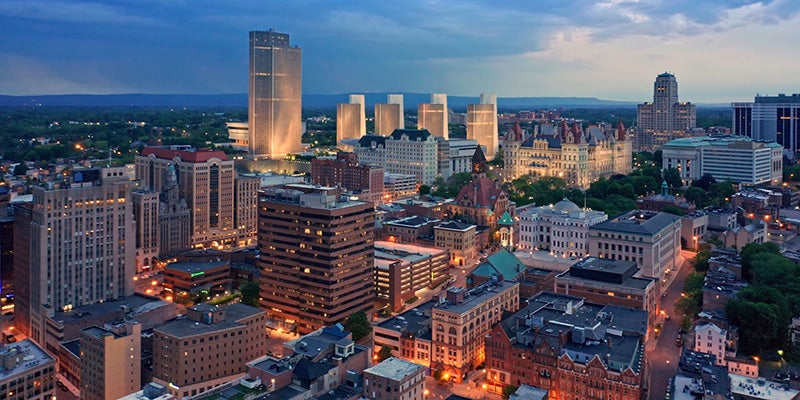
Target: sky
(719, 50)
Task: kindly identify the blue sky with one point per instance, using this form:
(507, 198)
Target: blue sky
(719, 50)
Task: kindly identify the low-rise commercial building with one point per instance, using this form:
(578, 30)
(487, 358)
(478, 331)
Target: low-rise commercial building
(459, 239)
(27, 372)
(395, 378)
(409, 229)
(186, 279)
(401, 270)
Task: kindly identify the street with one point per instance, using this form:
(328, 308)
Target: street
(663, 359)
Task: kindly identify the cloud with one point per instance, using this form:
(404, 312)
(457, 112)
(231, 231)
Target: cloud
(73, 12)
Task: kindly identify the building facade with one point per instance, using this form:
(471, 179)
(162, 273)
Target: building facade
(482, 123)
(561, 228)
(390, 116)
(110, 361)
(770, 118)
(735, 158)
(346, 172)
(434, 117)
(28, 372)
(351, 120)
(407, 151)
(209, 347)
(275, 121)
(459, 240)
(206, 181)
(77, 247)
(665, 118)
(650, 239)
(570, 153)
(401, 270)
(316, 255)
(174, 218)
(145, 213)
(394, 379)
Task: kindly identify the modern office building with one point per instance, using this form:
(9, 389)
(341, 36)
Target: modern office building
(245, 205)
(210, 346)
(482, 123)
(578, 156)
(402, 269)
(650, 239)
(183, 280)
(206, 181)
(275, 121)
(351, 120)
(394, 378)
(573, 348)
(111, 361)
(739, 159)
(770, 118)
(434, 116)
(316, 255)
(665, 118)
(28, 372)
(76, 246)
(145, 213)
(389, 116)
(561, 228)
(399, 186)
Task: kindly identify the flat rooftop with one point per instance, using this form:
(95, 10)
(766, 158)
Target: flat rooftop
(32, 356)
(395, 369)
(406, 252)
(194, 267)
(135, 304)
(640, 222)
(477, 296)
(415, 320)
(760, 388)
(186, 328)
(414, 221)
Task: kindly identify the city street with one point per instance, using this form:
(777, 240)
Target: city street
(663, 359)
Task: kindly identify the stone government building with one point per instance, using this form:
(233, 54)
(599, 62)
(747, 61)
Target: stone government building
(579, 156)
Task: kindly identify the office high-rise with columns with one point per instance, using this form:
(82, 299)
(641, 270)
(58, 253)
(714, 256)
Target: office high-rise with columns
(389, 116)
(434, 117)
(482, 123)
(351, 121)
(275, 122)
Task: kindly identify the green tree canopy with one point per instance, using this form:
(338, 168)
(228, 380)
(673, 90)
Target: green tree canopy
(250, 293)
(358, 325)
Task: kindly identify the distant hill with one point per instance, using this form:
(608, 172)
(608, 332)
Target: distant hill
(411, 100)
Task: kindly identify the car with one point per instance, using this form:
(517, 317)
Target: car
(667, 317)
(679, 342)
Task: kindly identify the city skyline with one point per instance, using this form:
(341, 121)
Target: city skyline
(606, 49)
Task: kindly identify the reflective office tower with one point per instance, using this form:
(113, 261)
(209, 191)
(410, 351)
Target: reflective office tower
(351, 121)
(389, 116)
(775, 118)
(74, 245)
(433, 116)
(275, 95)
(665, 118)
(482, 123)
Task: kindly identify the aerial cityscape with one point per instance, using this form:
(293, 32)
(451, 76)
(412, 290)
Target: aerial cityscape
(414, 201)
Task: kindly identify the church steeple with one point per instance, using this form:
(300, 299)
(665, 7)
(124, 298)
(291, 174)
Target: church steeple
(479, 162)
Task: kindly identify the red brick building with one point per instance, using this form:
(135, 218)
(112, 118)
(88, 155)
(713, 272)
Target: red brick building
(575, 350)
(346, 172)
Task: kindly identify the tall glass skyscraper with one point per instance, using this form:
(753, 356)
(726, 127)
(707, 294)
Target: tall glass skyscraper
(772, 118)
(275, 95)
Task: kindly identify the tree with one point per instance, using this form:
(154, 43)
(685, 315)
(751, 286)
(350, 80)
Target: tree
(673, 178)
(750, 250)
(698, 196)
(704, 182)
(358, 325)
(250, 293)
(384, 353)
(20, 169)
(673, 209)
(508, 390)
(424, 190)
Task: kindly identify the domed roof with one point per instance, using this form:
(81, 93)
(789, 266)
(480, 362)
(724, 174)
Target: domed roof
(566, 206)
